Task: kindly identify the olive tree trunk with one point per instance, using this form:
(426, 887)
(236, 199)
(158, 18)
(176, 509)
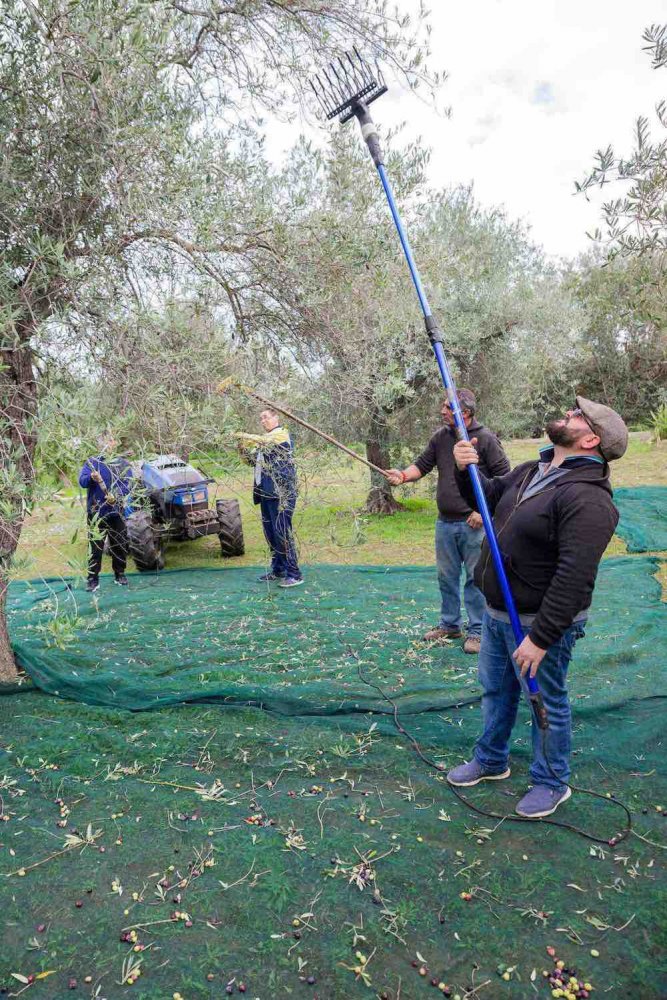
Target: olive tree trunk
(380, 499)
(18, 408)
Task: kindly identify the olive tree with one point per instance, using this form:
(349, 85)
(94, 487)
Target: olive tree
(622, 355)
(122, 124)
(636, 222)
(354, 326)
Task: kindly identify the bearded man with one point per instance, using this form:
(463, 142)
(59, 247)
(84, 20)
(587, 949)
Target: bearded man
(553, 519)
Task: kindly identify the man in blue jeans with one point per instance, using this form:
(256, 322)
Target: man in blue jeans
(554, 519)
(458, 529)
(275, 490)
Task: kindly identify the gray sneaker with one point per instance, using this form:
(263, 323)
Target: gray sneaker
(542, 801)
(472, 773)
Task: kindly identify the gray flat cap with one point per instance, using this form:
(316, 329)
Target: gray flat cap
(608, 425)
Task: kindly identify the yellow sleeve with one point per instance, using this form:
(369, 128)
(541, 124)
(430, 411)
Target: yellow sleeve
(279, 435)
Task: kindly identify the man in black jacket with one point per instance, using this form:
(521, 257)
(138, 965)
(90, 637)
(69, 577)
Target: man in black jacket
(458, 529)
(554, 519)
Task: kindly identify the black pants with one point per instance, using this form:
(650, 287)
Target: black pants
(111, 526)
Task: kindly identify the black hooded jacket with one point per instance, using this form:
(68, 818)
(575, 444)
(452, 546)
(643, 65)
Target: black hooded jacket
(551, 542)
(440, 452)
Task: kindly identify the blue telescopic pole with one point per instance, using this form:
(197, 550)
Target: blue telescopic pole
(371, 138)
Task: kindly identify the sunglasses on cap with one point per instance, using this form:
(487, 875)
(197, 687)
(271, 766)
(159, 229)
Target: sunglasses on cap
(577, 412)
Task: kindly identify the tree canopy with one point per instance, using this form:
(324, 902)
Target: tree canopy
(636, 222)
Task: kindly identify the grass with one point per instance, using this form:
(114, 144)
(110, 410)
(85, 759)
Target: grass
(329, 522)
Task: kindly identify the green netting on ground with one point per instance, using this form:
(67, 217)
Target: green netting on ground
(643, 524)
(247, 820)
(204, 635)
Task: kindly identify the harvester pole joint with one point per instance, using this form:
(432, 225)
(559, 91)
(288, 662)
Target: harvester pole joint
(433, 330)
(369, 132)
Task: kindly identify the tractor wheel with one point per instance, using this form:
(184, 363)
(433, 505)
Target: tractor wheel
(231, 529)
(146, 547)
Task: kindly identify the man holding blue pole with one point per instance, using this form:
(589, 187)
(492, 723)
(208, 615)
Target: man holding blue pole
(553, 520)
(345, 90)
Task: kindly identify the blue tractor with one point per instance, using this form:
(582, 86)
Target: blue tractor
(171, 503)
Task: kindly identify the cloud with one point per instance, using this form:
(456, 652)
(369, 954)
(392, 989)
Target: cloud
(485, 125)
(543, 94)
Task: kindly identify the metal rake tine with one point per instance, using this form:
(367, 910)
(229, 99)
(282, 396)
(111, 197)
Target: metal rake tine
(316, 92)
(361, 71)
(324, 95)
(366, 69)
(326, 72)
(326, 88)
(352, 71)
(354, 76)
(342, 91)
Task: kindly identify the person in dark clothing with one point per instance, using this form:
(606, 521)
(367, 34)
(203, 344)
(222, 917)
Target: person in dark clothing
(554, 519)
(275, 491)
(107, 481)
(458, 529)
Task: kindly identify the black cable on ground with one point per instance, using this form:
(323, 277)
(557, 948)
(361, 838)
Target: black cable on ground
(510, 817)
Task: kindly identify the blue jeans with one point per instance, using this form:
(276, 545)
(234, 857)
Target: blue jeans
(498, 675)
(277, 524)
(458, 545)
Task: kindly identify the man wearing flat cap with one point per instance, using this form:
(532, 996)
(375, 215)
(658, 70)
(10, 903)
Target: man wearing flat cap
(554, 519)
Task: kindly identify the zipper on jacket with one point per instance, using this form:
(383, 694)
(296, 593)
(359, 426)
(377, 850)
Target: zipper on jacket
(519, 500)
(511, 514)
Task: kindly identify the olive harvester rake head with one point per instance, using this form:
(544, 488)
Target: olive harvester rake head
(346, 85)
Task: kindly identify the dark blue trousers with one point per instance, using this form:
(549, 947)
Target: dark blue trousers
(277, 524)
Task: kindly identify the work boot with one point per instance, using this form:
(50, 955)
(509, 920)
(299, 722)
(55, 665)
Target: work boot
(542, 801)
(92, 584)
(121, 580)
(472, 773)
(439, 632)
(472, 644)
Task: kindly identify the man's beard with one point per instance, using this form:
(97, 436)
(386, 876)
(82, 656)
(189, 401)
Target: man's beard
(560, 433)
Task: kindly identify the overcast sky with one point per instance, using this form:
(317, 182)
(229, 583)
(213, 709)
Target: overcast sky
(535, 87)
